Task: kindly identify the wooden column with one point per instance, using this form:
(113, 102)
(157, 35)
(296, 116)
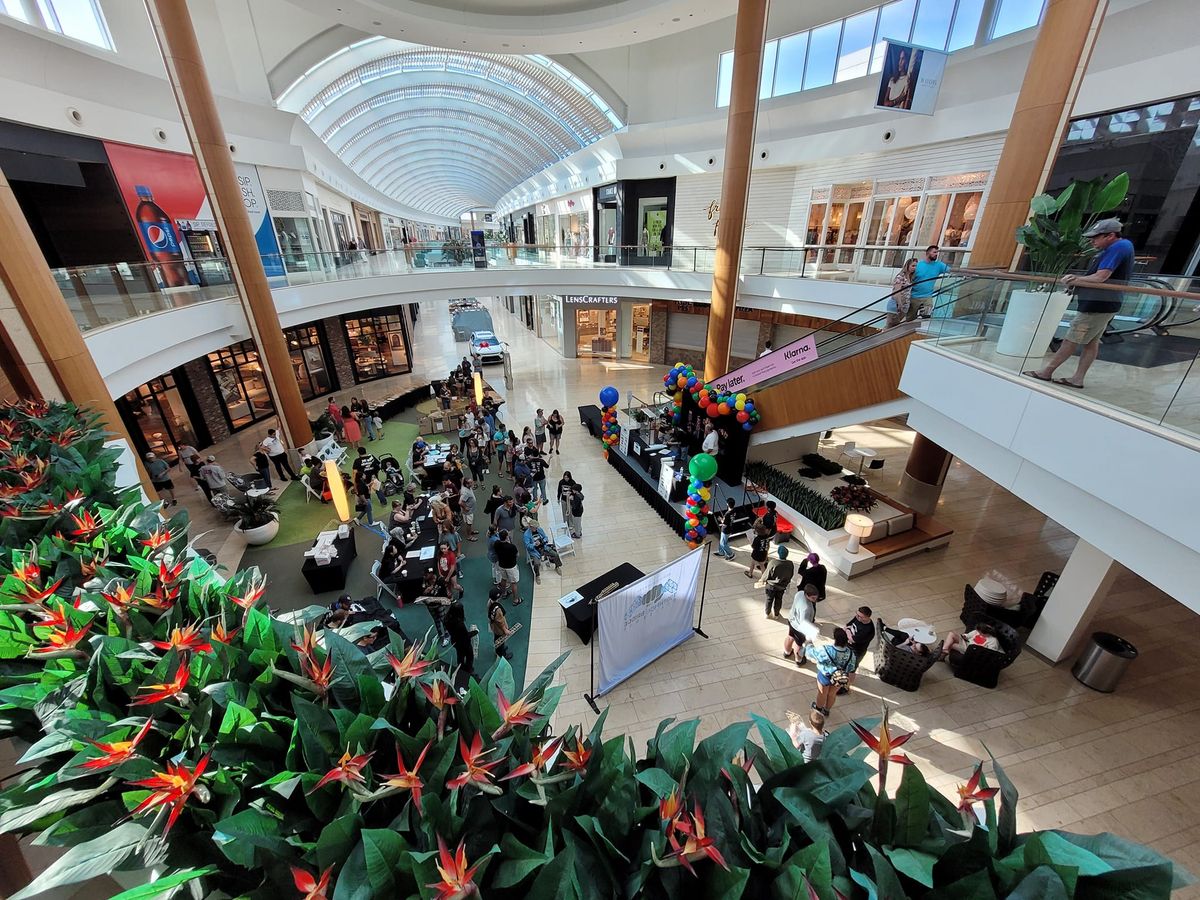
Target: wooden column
(189, 80)
(41, 322)
(924, 475)
(1056, 68)
(748, 42)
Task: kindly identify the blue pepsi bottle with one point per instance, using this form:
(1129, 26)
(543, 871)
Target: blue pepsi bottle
(161, 239)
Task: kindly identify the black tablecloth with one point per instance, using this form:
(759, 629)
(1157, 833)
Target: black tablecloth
(333, 576)
(581, 616)
(409, 588)
(666, 511)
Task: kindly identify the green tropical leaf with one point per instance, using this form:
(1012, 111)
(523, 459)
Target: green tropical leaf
(337, 840)
(244, 833)
(382, 850)
(912, 809)
(1006, 815)
(23, 817)
(886, 882)
(96, 857)
(658, 781)
(519, 862)
(166, 884)
(916, 864)
(1112, 195)
(1042, 883)
(1044, 204)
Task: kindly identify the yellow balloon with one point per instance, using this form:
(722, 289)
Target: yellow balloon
(741, 398)
(741, 404)
(705, 493)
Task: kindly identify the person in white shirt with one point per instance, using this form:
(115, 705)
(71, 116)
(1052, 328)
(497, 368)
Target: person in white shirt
(767, 348)
(277, 453)
(712, 440)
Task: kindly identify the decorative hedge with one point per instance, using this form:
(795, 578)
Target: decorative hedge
(173, 722)
(816, 507)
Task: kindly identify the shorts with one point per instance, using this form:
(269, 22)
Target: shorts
(796, 636)
(167, 485)
(512, 576)
(468, 518)
(1088, 326)
(824, 680)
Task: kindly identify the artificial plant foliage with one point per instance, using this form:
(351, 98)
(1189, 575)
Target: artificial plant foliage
(176, 724)
(1053, 237)
(825, 512)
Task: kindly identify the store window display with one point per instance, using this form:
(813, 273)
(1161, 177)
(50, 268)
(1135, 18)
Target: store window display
(378, 345)
(241, 384)
(596, 332)
(310, 366)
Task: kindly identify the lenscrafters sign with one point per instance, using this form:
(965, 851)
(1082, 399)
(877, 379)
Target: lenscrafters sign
(589, 300)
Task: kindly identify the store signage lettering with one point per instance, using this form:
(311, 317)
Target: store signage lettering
(608, 192)
(791, 356)
(574, 300)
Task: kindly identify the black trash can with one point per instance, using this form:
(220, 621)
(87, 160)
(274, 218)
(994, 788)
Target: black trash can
(1104, 661)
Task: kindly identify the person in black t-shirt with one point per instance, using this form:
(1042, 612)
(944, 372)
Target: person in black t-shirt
(771, 519)
(506, 561)
(537, 472)
(812, 572)
(759, 547)
(861, 631)
(366, 463)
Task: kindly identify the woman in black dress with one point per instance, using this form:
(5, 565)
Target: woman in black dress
(759, 546)
(460, 637)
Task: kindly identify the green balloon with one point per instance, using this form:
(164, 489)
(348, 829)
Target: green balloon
(703, 467)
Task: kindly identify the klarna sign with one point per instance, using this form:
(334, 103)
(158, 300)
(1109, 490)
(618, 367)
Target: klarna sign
(777, 362)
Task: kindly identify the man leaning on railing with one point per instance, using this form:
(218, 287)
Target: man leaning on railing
(1095, 309)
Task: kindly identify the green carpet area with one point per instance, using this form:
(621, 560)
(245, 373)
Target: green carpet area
(281, 560)
(299, 521)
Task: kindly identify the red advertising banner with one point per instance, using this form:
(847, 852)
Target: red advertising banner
(164, 195)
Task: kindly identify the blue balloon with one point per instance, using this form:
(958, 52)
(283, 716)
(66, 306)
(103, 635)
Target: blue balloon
(691, 382)
(749, 406)
(700, 532)
(747, 426)
(609, 396)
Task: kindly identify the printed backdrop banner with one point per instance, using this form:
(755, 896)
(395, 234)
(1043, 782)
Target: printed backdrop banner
(255, 202)
(643, 620)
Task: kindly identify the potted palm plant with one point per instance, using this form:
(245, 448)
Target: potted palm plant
(258, 519)
(1054, 242)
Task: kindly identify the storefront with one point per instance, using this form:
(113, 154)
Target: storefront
(311, 366)
(378, 344)
(241, 385)
(634, 221)
(159, 418)
(634, 325)
(297, 243)
(607, 201)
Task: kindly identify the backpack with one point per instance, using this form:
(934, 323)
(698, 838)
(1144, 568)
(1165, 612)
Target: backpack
(577, 504)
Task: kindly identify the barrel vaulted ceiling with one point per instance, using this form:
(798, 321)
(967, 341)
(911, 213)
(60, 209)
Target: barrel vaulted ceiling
(446, 131)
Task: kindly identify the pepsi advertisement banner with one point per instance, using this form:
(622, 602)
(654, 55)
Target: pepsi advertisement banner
(166, 199)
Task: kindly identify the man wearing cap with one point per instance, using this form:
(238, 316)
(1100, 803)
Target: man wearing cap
(160, 476)
(214, 476)
(1112, 264)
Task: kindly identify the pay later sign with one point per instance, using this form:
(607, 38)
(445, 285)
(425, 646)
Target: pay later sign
(778, 362)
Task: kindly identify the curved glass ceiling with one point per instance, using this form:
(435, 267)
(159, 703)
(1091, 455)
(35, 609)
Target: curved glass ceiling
(394, 112)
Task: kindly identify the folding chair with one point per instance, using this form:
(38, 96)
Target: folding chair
(846, 448)
(381, 587)
(559, 532)
(309, 493)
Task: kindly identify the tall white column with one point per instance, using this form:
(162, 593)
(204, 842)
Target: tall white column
(1068, 615)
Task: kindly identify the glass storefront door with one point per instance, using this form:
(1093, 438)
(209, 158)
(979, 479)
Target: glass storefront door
(378, 345)
(639, 321)
(241, 384)
(158, 411)
(596, 332)
(549, 322)
(306, 344)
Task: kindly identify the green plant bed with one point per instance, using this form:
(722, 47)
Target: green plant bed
(172, 722)
(814, 506)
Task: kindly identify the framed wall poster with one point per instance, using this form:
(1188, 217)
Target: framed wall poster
(911, 78)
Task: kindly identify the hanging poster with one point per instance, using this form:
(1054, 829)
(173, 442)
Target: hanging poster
(911, 78)
(255, 201)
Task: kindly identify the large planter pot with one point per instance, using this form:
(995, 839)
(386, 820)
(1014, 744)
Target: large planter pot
(1030, 322)
(263, 534)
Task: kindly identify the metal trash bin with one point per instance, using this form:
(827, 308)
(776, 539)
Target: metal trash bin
(1104, 661)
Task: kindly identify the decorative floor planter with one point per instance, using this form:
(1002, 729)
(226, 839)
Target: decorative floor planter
(263, 534)
(1030, 322)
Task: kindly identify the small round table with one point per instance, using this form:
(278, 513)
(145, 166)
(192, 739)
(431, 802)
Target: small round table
(863, 454)
(258, 492)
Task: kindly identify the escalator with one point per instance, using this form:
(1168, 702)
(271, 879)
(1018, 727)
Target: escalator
(858, 362)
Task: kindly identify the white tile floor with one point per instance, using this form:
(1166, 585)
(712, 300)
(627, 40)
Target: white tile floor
(1083, 761)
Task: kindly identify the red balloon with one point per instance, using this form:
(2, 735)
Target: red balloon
(712, 410)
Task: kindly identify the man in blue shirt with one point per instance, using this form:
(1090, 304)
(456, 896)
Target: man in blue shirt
(928, 271)
(1112, 264)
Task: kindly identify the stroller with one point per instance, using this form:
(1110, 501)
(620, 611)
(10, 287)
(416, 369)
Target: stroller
(225, 505)
(246, 482)
(391, 475)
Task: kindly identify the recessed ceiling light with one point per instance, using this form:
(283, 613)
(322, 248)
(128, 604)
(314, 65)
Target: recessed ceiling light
(676, 19)
(377, 24)
(504, 45)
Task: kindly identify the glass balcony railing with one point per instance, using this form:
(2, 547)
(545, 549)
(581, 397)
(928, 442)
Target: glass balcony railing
(1146, 365)
(105, 295)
